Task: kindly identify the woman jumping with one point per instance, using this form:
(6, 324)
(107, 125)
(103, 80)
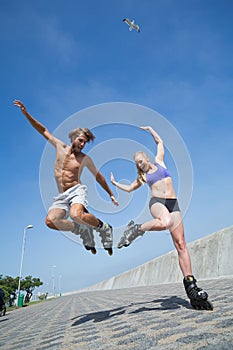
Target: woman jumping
(166, 214)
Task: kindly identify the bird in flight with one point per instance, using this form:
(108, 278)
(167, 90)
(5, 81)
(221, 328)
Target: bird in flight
(131, 24)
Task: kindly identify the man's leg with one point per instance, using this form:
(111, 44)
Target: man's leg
(56, 219)
(78, 214)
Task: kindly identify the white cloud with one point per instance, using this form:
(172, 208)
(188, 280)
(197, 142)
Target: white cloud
(63, 45)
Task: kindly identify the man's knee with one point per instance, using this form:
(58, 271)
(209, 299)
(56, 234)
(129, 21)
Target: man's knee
(50, 223)
(76, 215)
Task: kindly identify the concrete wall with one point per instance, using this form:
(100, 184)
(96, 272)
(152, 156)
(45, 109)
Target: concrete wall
(212, 256)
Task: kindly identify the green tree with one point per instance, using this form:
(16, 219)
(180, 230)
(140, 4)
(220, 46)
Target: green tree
(43, 296)
(29, 284)
(9, 285)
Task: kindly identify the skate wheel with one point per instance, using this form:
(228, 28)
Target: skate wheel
(109, 250)
(121, 245)
(209, 305)
(92, 249)
(202, 305)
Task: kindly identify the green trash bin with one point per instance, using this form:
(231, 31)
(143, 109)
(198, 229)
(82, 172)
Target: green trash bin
(20, 300)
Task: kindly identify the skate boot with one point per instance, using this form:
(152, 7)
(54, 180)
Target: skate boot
(198, 297)
(105, 233)
(130, 234)
(86, 234)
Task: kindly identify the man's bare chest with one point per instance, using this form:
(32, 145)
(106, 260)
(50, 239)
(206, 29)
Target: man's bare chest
(72, 163)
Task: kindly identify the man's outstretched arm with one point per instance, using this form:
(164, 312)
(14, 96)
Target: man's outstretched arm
(88, 162)
(37, 125)
(102, 181)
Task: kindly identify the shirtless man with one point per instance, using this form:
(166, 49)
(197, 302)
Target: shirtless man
(72, 198)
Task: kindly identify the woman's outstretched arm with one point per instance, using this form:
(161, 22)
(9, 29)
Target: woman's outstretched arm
(127, 188)
(160, 147)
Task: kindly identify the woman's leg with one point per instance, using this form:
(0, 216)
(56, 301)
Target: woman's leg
(177, 233)
(198, 297)
(162, 219)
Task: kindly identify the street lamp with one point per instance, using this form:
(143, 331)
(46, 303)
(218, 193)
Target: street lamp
(59, 282)
(22, 255)
(53, 279)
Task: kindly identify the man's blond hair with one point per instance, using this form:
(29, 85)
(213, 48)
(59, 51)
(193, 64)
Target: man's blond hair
(81, 131)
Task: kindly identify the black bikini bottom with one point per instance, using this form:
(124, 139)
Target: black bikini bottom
(170, 203)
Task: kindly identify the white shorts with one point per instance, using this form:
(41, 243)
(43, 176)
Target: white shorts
(74, 195)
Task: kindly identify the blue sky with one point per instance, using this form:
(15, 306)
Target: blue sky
(76, 61)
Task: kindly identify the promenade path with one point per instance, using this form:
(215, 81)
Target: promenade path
(151, 317)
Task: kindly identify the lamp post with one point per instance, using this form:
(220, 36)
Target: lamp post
(53, 279)
(59, 282)
(22, 256)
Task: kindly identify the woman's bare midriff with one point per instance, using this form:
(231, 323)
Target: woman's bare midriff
(163, 189)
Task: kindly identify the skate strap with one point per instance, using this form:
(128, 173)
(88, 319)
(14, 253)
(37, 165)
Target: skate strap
(190, 286)
(140, 231)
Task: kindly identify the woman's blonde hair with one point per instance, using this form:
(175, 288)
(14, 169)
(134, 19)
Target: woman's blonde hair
(141, 174)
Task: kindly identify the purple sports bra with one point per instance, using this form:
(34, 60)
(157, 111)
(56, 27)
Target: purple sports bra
(157, 175)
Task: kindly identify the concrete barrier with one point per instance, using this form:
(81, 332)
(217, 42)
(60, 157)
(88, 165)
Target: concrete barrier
(211, 257)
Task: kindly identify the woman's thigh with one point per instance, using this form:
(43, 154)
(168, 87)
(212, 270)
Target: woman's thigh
(159, 211)
(177, 229)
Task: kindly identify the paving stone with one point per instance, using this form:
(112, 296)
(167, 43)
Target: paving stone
(153, 317)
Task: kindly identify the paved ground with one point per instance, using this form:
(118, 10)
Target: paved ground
(153, 317)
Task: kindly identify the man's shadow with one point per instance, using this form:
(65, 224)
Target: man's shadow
(166, 303)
